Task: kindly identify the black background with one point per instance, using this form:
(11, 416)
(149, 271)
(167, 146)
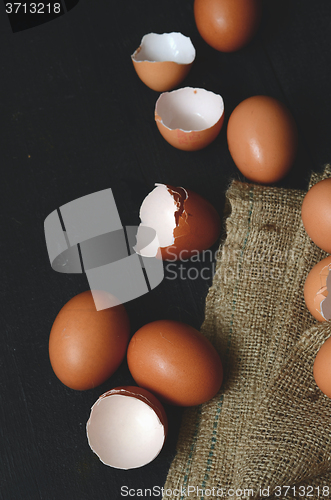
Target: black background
(75, 119)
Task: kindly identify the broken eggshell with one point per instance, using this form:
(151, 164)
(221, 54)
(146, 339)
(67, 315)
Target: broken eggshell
(189, 118)
(185, 223)
(316, 288)
(127, 427)
(162, 61)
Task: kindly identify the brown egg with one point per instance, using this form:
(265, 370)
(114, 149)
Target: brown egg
(86, 346)
(185, 223)
(227, 25)
(322, 368)
(262, 139)
(315, 289)
(175, 362)
(316, 214)
(189, 118)
(162, 61)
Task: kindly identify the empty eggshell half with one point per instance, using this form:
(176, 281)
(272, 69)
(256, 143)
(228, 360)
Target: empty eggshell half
(127, 427)
(189, 118)
(162, 61)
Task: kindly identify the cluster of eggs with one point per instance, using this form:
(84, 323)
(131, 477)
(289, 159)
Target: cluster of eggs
(170, 361)
(262, 134)
(316, 218)
(262, 139)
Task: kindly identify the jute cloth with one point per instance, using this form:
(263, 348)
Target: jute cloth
(269, 427)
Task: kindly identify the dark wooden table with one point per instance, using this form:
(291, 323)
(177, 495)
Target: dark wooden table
(75, 119)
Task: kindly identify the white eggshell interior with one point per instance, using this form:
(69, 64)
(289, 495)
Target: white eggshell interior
(189, 109)
(145, 246)
(158, 212)
(124, 431)
(173, 47)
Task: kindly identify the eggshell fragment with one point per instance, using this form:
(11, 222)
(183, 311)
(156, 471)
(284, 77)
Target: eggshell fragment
(189, 118)
(162, 61)
(322, 368)
(185, 223)
(227, 25)
(317, 286)
(87, 346)
(127, 427)
(175, 362)
(316, 214)
(262, 139)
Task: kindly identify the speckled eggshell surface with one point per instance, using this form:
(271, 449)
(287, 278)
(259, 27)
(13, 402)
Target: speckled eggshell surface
(175, 362)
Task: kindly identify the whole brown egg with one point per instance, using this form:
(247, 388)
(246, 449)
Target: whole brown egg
(262, 139)
(86, 346)
(227, 25)
(322, 368)
(316, 214)
(175, 362)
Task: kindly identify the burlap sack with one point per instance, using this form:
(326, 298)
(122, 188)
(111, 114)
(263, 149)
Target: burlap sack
(268, 431)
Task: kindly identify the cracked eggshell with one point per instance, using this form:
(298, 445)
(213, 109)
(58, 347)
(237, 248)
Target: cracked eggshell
(175, 362)
(162, 61)
(87, 346)
(316, 214)
(185, 223)
(227, 25)
(262, 139)
(127, 427)
(316, 290)
(189, 118)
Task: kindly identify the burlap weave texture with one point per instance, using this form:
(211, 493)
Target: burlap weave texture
(269, 426)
